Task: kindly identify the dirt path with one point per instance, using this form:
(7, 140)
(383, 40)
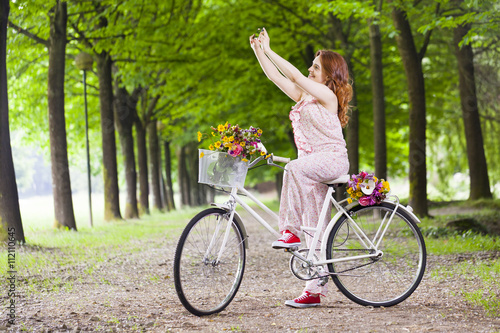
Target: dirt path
(135, 292)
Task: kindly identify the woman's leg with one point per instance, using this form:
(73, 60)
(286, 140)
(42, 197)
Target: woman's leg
(311, 218)
(302, 194)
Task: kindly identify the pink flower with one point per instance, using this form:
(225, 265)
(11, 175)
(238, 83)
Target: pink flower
(366, 200)
(236, 150)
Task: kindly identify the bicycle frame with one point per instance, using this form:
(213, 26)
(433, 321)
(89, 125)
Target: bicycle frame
(372, 245)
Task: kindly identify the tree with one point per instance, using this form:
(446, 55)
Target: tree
(378, 93)
(352, 130)
(412, 63)
(169, 188)
(154, 164)
(110, 173)
(125, 117)
(56, 45)
(10, 215)
(478, 169)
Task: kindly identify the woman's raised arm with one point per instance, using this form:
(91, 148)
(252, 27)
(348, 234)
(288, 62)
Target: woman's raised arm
(272, 72)
(318, 90)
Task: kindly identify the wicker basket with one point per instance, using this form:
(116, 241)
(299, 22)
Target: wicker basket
(221, 169)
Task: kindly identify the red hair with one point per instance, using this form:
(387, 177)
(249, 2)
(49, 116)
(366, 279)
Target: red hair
(337, 79)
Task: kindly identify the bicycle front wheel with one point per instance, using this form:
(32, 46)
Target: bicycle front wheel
(205, 281)
(378, 281)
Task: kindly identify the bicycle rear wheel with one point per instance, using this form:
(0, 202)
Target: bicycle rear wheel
(382, 281)
(204, 284)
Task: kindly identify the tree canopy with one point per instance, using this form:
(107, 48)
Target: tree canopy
(192, 62)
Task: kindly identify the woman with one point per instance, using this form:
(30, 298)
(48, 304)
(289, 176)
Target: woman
(317, 120)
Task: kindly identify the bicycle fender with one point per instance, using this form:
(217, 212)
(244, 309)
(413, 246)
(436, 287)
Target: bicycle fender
(237, 219)
(409, 210)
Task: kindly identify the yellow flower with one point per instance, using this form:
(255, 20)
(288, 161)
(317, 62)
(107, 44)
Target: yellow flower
(263, 153)
(267, 156)
(259, 131)
(213, 133)
(199, 136)
(385, 185)
(244, 160)
(242, 143)
(349, 200)
(202, 154)
(349, 190)
(375, 179)
(221, 128)
(225, 139)
(217, 144)
(231, 138)
(211, 147)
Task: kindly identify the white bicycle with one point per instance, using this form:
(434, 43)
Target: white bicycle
(375, 255)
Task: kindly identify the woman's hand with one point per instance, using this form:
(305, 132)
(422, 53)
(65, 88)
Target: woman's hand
(264, 39)
(255, 43)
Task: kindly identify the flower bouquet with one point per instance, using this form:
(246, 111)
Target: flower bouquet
(367, 189)
(236, 141)
(230, 150)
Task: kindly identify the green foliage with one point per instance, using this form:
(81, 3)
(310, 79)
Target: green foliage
(196, 57)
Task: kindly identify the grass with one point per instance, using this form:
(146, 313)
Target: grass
(483, 287)
(463, 243)
(484, 275)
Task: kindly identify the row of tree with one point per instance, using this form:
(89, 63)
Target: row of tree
(165, 69)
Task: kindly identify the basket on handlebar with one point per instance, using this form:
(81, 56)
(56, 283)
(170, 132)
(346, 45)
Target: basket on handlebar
(221, 169)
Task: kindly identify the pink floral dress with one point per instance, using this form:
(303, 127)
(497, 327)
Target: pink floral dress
(322, 157)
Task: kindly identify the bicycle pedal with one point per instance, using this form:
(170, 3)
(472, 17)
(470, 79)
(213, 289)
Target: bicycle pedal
(292, 249)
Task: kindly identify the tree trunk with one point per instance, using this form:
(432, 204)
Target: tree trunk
(110, 174)
(61, 183)
(183, 177)
(192, 158)
(125, 113)
(169, 188)
(142, 161)
(10, 214)
(412, 63)
(378, 99)
(336, 32)
(478, 169)
(154, 165)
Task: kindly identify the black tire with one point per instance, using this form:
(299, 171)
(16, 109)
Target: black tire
(205, 286)
(389, 279)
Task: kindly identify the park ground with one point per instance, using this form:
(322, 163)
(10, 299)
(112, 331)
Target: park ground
(118, 278)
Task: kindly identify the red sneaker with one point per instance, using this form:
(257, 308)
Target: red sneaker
(306, 300)
(286, 241)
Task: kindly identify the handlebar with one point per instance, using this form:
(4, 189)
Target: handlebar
(280, 159)
(270, 160)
